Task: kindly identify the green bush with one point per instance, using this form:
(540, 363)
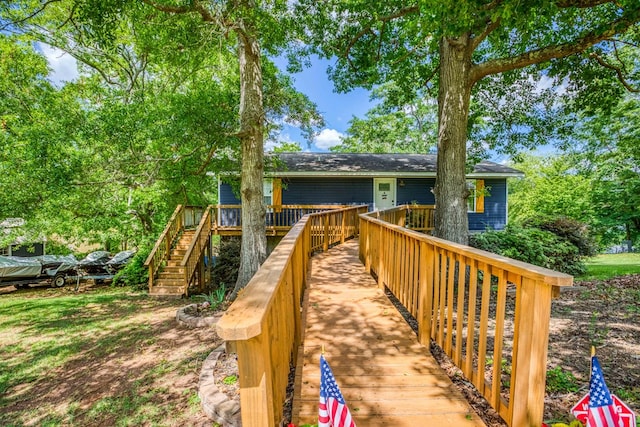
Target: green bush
(576, 232)
(532, 245)
(134, 274)
(227, 263)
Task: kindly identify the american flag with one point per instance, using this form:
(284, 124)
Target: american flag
(333, 411)
(602, 411)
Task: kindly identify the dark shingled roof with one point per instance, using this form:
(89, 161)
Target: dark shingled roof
(369, 164)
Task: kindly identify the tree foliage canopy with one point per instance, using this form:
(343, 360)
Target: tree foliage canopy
(460, 48)
(153, 115)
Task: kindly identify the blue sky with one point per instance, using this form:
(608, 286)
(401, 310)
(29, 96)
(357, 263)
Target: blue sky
(336, 108)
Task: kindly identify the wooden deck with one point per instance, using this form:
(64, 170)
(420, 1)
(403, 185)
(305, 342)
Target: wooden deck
(387, 377)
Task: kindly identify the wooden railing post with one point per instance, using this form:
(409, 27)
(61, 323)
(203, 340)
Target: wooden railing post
(426, 293)
(382, 255)
(256, 395)
(325, 244)
(531, 330)
(342, 227)
(151, 274)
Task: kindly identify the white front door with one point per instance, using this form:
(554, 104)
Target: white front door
(384, 193)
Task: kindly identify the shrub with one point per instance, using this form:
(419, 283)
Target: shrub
(532, 245)
(576, 232)
(227, 263)
(134, 274)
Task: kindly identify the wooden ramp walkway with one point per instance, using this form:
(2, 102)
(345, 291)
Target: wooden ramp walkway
(387, 377)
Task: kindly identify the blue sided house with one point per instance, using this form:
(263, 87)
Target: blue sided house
(378, 180)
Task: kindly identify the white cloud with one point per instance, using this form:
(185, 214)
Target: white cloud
(545, 82)
(270, 144)
(64, 67)
(328, 138)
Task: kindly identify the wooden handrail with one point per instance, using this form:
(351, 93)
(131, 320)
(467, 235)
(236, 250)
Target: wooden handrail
(165, 232)
(192, 257)
(162, 249)
(315, 207)
(415, 217)
(465, 300)
(264, 323)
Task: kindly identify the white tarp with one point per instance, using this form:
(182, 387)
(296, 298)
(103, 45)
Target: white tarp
(15, 267)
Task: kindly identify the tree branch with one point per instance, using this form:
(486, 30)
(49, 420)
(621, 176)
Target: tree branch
(432, 75)
(206, 162)
(196, 7)
(384, 19)
(491, 6)
(488, 29)
(28, 17)
(553, 52)
(170, 9)
(582, 4)
(618, 71)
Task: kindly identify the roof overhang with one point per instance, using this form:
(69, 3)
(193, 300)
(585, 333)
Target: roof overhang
(370, 174)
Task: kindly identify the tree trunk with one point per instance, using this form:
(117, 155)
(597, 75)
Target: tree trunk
(454, 94)
(254, 241)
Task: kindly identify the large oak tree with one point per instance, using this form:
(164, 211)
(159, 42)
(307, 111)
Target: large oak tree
(185, 35)
(455, 46)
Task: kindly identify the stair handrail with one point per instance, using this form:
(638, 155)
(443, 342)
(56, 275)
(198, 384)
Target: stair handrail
(192, 256)
(162, 248)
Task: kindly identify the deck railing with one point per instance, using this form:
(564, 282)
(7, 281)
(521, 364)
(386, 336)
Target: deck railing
(490, 314)
(192, 263)
(264, 324)
(278, 219)
(416, 217)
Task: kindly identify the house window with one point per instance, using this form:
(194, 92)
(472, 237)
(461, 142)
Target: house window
(267, 187)
(384, 186)
(471, 200)
(475, 201)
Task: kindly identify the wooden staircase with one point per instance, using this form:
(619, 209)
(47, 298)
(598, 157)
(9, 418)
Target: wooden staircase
(171, 281)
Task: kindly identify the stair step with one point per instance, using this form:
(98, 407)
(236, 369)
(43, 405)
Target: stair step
(171, 275)
(169, 291)
(170, 283)
(174, 263)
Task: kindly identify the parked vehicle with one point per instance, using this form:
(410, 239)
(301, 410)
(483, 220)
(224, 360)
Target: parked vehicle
(119, 260)
(57, 270)
(100, 266)
(22, 271)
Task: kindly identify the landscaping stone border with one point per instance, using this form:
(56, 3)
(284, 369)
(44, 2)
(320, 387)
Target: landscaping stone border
(215, 404)
(190, 321)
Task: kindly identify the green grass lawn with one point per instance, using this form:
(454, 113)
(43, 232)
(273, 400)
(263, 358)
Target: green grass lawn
(607, 266)
(108, 356)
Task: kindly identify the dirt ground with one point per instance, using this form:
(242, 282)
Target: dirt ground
(604, 314)
(160, 367)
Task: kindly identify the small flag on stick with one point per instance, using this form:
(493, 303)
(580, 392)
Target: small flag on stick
(602, 410)
(332, 411)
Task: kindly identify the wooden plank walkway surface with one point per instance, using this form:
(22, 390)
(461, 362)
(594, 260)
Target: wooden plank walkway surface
(387, 377)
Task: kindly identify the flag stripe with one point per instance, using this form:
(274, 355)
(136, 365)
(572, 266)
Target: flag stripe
(332, 409)
(602, 411)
